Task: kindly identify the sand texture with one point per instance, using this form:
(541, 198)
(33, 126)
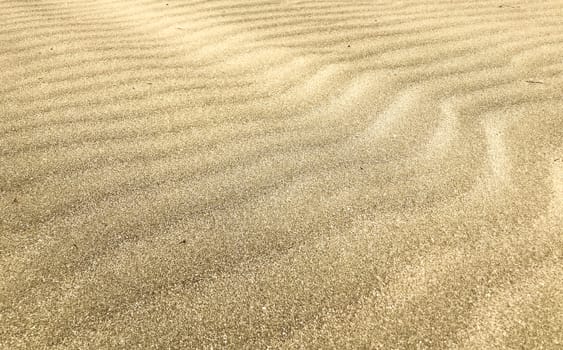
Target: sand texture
(254, 174)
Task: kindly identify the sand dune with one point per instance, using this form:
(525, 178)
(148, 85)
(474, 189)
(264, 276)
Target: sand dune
(281, 174)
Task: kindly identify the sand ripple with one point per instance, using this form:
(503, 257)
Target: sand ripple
(281, 174)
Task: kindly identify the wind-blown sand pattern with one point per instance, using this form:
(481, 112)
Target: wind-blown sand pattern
(281, 174)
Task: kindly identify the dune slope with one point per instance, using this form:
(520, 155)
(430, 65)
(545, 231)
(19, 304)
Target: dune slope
(281, 174)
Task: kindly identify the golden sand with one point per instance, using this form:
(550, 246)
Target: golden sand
(281, 174)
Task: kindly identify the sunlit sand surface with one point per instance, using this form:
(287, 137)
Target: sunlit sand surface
(281, 174)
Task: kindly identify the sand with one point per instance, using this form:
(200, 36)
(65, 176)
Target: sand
(281, 174)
